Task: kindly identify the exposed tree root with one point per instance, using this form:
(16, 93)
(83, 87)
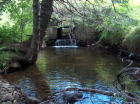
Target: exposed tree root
(17, 58)
(15, 48)
(133, 72)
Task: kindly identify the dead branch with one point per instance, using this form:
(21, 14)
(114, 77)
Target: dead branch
(127, 97)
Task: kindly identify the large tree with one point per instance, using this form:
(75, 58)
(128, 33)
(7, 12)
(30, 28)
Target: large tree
(41, 16)
(28, 50)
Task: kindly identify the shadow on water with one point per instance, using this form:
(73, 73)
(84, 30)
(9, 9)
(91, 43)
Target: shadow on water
(60, 68)
(31, 81)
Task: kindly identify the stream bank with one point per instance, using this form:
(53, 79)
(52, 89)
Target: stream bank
(10, 94)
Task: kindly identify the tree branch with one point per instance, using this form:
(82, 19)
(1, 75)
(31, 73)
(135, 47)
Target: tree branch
(128, 98)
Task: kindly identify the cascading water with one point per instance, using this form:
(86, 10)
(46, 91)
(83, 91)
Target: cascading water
(64, 43)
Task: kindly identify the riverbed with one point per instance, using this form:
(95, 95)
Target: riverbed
(61, 68)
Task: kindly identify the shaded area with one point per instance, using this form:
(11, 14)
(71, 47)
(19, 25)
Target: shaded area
(31, 81)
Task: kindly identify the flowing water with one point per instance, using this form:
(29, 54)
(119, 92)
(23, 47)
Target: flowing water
(60, 68)
(65, 43)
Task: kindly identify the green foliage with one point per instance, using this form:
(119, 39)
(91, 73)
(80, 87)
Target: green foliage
(114, 28)
(4, 59)
(3, 3)
(19, 14)
(8, 34)
(114, 23)
(115, 19)
(116, 36)
(132, 39)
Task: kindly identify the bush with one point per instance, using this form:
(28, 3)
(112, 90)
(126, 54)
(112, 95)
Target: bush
(115, 27)
(8, 34)
(113, 35)
(132, 39)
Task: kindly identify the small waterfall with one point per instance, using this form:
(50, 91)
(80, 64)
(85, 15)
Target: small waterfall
(63, 43)
(66, 42)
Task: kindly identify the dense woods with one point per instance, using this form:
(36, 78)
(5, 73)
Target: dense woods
(28, 25)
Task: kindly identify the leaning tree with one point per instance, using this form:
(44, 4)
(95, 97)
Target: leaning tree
(25, 53)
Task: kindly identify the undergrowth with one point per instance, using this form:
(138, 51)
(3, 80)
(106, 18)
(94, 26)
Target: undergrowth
(132, 39)
(4, 58)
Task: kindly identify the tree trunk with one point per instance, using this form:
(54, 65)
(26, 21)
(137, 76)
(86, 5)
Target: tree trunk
(41, 16)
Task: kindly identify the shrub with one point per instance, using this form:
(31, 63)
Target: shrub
(8, 34)
(132, 39)
(113, 35)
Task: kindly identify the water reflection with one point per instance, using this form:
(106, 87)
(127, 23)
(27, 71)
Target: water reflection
(82, 65)
(82, 68)
(31, 81)
(70, 67)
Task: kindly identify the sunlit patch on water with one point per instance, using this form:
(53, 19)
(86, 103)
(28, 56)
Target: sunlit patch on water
(98, 99)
